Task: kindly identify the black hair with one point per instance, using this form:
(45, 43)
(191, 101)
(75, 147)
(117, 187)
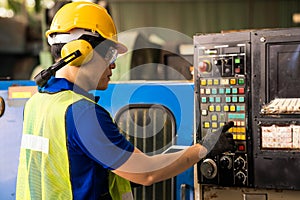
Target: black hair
(56, 50)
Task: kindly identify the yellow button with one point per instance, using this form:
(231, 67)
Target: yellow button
(214, 125)
(216, 81)
(243, 137)
(214, 117)
(211, 108)
(206, 124)
(234, 137)
(203, 82)
(209, 82)
(222, 124)
(243, 130)
(226, 108)
(232, 108)
(218, 108)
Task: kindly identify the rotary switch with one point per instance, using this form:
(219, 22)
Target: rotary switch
(240, 163)
(226, 162)
(209, 168)
(240, 178)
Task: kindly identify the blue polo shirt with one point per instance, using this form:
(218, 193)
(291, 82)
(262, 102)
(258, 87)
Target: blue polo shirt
(94, 142)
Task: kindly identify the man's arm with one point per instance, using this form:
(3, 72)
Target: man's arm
(146, 170)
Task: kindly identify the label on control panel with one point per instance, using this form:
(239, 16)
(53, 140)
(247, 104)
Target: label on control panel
(280, 137)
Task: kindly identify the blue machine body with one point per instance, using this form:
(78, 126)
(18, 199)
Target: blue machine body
(178, 97)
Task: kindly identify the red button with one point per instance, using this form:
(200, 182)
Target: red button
(241, 147)
(241, 90)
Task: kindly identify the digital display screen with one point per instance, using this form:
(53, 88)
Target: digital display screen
(283, 69)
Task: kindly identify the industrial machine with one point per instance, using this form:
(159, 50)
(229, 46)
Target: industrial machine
(252, 78)
(249, 77)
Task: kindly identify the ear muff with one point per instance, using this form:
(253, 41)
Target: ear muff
(83, 46)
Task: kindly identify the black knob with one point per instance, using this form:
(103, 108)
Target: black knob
(239, 163)
(226, 162)
(240, 178)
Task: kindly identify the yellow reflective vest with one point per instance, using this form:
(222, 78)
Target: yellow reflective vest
(43, 171)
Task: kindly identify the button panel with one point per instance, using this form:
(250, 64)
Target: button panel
(221, 74)
(224, 102)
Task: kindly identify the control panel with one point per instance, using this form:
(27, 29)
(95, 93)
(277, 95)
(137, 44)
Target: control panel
(221, 91)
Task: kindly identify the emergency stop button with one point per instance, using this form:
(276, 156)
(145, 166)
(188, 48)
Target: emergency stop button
(204, 66)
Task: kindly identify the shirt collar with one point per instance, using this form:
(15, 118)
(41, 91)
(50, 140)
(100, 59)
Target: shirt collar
(55, 85)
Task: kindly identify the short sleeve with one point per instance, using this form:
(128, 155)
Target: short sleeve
(96, 134)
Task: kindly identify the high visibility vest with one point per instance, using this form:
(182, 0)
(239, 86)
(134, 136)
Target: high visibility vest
(43, 171)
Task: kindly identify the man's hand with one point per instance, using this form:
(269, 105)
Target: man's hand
(219, 141)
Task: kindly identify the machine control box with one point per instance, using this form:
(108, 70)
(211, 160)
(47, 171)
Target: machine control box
(221, 93)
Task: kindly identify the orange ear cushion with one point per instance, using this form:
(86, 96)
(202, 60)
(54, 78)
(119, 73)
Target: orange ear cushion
(83, 46)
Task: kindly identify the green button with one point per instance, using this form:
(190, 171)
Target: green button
(237, 61)
(241, 81)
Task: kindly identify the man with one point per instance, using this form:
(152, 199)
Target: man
(70, 144)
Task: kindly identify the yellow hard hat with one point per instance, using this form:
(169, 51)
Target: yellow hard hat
(85, 15)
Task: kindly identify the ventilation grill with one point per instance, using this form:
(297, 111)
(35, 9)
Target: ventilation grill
(151, 128)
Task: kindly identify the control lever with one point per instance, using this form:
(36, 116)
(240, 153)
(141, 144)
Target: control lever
(42, 78)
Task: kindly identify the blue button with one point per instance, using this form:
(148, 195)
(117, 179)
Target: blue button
(228, 99)
(241, 99)
(213, 91)
(234, 99)
(228, 90)
(234, 90)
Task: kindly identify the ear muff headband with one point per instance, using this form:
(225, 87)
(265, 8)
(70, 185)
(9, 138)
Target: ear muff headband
(83, 46)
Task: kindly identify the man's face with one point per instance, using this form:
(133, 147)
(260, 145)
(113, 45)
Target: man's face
(96, 73)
